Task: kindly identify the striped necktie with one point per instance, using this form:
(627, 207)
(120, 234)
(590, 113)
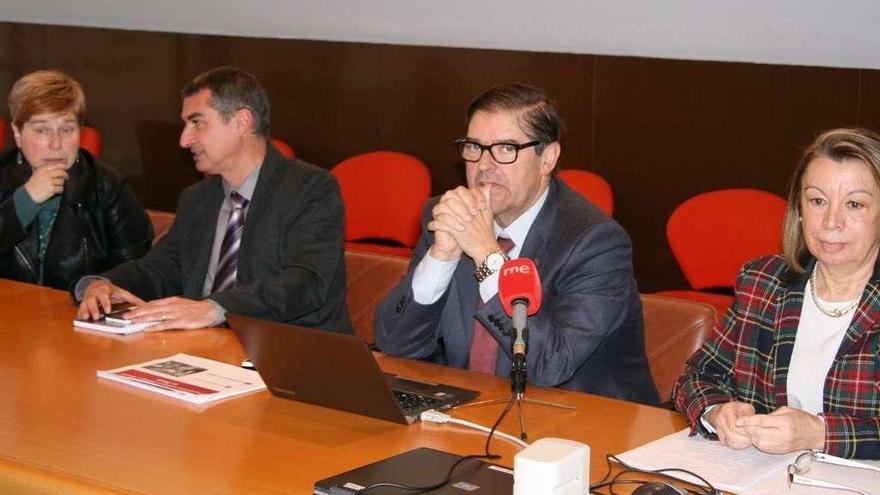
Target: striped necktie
(484, 347)
(227, 265)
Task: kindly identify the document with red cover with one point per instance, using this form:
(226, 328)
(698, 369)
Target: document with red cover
(190, 378)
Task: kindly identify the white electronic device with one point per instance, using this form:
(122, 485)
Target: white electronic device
(552, 466)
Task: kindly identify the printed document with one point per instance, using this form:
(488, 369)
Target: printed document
(190, 378)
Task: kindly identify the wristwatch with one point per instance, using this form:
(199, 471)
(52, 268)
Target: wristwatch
(490, 265)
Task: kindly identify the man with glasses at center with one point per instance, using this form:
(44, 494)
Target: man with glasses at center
(588, 334)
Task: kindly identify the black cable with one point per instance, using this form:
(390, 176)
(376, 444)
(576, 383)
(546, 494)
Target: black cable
(501, 416)
(619, 480)
(422, 489)
(705, 489)
(663, 472)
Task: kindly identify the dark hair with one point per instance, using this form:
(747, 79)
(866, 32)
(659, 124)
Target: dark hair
(839, 145)
(537, 112)
(231, 90)
(46, 91)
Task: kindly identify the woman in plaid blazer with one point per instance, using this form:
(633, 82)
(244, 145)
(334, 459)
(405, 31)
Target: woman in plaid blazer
(795, 362)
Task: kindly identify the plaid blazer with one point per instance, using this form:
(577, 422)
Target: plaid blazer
(747, 356)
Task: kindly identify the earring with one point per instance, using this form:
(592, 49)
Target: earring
(18, 159)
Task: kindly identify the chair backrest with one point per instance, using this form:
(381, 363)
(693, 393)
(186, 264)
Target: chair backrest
(90, 140)
(591, 186)
(369, 277)
(285, 149)
(373, 247)
(383, 192)
(161, 221)
(2, 134)
(713, 234)
(674, 329)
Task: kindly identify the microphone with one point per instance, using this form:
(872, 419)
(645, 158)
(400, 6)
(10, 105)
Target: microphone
(520, 291)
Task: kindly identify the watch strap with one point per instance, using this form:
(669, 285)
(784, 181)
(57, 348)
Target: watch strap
(483, 271)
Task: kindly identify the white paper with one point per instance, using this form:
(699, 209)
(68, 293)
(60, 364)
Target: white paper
(777, 483)
(190, 378)
(745, 472)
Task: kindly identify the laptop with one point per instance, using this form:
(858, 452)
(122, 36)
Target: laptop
(338, 371)
(421, 467)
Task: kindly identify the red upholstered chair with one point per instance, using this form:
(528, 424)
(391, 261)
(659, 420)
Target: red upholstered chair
(713, 234)
(383, 192)
(592, 187)
(283, 148)
(674, 329)
(161, 221)
(2, 134)
(90, 140)
(369, 278)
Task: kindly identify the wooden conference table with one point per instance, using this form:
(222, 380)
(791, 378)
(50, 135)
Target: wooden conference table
(63, 430)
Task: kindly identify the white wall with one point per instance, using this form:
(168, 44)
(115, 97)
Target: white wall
(802, 32)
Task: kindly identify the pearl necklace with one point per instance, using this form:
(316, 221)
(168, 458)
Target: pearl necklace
(832, 312)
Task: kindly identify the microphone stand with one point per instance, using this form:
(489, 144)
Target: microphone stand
(518, 374)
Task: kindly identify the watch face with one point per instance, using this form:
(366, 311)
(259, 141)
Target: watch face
(494, 261)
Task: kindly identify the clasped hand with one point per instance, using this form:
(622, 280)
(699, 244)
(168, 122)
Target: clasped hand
(462, 223)
(170, 312)
(784, 430)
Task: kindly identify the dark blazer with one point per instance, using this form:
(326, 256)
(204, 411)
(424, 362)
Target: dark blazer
(290, 267)
(100, 224)
(588, 334)
(747, 357)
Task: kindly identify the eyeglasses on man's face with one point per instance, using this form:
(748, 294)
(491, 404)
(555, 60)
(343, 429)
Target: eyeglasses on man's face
(803, 462)
(504, 153)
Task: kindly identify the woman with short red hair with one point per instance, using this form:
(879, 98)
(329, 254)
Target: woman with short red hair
(63, 214)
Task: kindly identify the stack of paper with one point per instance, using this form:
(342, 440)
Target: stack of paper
(190, 378)
(114, 326)
(745, 472)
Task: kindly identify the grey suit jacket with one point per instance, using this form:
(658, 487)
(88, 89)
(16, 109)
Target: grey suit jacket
(290, 267)
(588, 334)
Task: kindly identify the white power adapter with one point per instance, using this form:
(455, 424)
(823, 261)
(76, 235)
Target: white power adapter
(552, 466)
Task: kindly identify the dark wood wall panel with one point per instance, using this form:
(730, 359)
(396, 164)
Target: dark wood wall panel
(668, 130)
(424, 94)
(132, 84)
(869, 98)
(321, 93)
(659, 130)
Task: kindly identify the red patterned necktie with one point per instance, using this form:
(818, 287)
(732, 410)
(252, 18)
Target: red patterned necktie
(227, 265)
(484, 347)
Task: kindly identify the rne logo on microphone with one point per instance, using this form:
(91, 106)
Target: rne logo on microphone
(524, 269)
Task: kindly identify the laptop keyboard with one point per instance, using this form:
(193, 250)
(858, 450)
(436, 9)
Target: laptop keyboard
(414, 402)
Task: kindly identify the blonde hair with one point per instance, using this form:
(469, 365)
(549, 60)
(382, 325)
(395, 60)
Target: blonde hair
(838, 145)
(46, 91)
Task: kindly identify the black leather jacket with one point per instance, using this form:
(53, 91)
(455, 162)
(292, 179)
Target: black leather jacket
(100, 224)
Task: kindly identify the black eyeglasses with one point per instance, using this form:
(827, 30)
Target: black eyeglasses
(504, 153)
